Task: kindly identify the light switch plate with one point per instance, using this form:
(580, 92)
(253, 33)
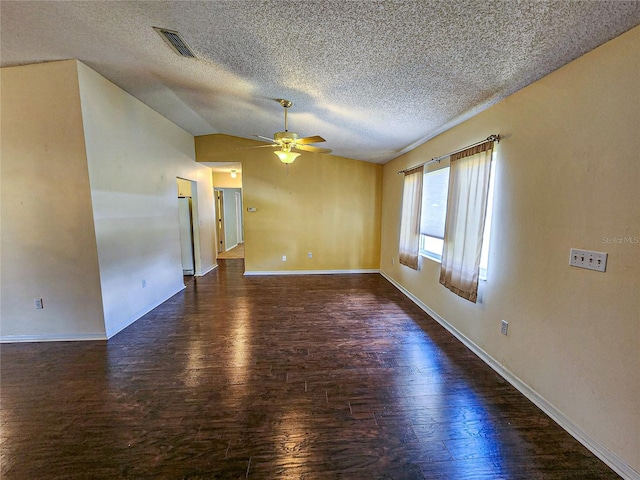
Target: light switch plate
(504, 327)
(588, 259)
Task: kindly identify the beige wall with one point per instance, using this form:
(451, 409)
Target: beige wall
(135, 156)
(567, 175)
(326, 205)
(48, 244)
(90, 204)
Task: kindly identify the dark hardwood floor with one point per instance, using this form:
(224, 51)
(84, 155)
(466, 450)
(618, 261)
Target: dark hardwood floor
(275, 377)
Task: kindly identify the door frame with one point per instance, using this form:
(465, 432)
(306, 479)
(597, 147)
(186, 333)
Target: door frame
(195, 221)
(220, 220)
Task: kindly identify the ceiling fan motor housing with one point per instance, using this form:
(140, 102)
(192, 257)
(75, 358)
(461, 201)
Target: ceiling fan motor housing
(285, 137)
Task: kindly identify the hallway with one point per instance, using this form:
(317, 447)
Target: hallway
(275, 377)
(235, 252)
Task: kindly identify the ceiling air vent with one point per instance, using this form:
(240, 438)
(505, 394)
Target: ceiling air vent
(176, 42)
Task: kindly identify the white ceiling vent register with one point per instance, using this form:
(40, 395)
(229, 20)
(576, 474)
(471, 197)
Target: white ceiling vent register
(176, 42)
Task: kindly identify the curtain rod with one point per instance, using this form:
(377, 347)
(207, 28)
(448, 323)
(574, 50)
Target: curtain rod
(490, 138)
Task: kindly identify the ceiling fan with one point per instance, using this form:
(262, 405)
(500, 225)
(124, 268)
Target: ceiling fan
(288, 140)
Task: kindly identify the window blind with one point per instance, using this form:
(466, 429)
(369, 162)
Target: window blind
(434, 203)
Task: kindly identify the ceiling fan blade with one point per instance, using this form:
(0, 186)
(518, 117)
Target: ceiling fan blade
(259, 146)
(264, 138)
(306, 140)
(311, 148)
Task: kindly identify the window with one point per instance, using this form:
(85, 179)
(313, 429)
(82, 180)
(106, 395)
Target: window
(434, 210)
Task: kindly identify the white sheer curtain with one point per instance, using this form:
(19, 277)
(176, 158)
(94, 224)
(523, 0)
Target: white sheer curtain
(410, 220)
(464, 227)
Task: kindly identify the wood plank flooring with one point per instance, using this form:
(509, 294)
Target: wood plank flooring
(287, 377)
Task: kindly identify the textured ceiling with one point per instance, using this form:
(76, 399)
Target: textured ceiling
(374, 78)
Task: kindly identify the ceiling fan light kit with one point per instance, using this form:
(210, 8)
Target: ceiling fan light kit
(286, 157)
(287, 140)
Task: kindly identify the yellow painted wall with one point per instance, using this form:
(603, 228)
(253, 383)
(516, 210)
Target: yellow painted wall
(48, 244)
(224, 180)
(567, 175)
(326, 205)
(184, 187)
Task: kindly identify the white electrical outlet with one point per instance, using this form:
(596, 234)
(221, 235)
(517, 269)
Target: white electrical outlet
(310, 255)
(38, 303)
(284, 258)
(588, 259)
(504, 327)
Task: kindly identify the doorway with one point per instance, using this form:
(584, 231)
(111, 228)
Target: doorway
(228, 199)
(188, 227)
(230, 222)
(185, 216)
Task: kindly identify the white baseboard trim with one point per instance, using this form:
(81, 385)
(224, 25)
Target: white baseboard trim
(136, 316)
(311, 272)
(82, 337)
(204, 272)
(616, 463)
